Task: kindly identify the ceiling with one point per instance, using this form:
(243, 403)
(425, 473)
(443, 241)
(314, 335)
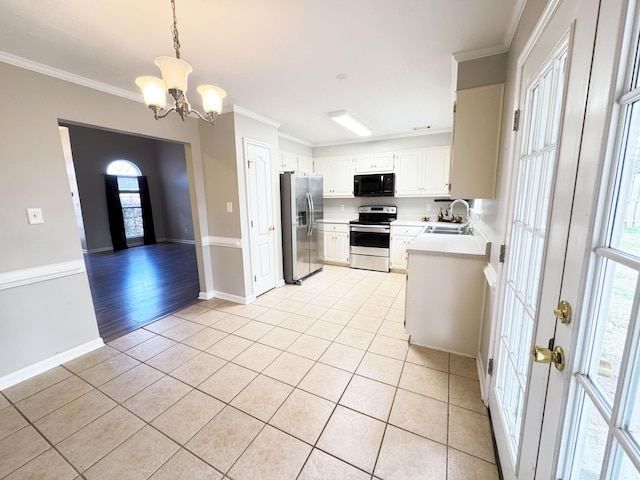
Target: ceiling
(278, 58)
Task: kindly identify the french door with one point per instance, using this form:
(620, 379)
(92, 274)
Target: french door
(580, 418)
(553, 81)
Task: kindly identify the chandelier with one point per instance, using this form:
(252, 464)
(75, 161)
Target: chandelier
(174, 81)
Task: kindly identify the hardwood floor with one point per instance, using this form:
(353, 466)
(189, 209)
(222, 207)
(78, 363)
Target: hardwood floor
(134, 287)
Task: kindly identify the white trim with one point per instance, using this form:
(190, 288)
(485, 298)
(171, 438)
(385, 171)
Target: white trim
(208, 295)
(542, 23)
(419, 133)
(178, 240)
(98, 250)
(222, 242)
(467, 55)
(68, 77)
(18, 278)
(482, 377)
(255, 116)
(233, 298)
(491, 276)
(291, 138)
(49, 363)
(510, 32)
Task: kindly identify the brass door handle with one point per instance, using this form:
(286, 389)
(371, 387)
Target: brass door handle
(272, 228)
(563, 312)
(545, 355)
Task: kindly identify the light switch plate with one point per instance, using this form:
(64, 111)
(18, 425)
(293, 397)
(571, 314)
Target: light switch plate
(35, 216)
(229, 207)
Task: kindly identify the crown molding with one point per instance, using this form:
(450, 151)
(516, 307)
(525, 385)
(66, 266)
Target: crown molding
(421, 133)
(479, 53)
(509, 33)
(68, 77)
(255, 116)
(291, 138)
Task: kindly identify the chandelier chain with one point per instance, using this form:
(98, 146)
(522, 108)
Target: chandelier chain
(174, 30)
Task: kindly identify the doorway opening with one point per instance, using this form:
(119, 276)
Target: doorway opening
(154, 271)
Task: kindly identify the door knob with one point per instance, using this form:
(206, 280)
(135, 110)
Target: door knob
(563, 312)
(271, 228)
(545, 355)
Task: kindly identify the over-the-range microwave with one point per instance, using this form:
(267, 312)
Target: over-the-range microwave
(374, 185)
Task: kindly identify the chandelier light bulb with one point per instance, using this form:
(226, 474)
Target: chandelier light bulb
(153, 91)
(211, 98)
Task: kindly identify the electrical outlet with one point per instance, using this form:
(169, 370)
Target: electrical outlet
(428, 207)
(342, 207)
(35, 216)
(229, 207)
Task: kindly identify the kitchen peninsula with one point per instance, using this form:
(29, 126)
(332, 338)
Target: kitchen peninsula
(445, 291)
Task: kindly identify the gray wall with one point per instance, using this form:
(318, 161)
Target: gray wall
(93, 150)
(177, 216)
(482, 71)
(42, 318)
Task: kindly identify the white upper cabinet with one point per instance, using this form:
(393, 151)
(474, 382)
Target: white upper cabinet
(476, 137)
(294, 162)
(305, 164)
(337, 175)
(423, 173)
(374, 162)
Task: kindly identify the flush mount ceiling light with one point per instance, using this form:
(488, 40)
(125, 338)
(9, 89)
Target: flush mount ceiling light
(174, 81)
(347, 120)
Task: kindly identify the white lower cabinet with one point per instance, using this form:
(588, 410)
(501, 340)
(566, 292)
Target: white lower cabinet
(401, 238)
(445, 299)
(336, 243)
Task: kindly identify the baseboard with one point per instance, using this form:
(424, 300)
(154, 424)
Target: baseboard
(99, 250)
(226, 296)
(482, 376)
(234, 298)
(49, 363)
(206, 295)
(280, 283)
(178, 240)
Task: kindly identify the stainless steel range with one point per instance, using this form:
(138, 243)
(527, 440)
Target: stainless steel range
(370, 237)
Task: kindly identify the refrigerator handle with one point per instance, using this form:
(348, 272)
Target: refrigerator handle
(310, 210)
(313, 214)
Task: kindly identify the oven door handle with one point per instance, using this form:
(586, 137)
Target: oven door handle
(370, 229)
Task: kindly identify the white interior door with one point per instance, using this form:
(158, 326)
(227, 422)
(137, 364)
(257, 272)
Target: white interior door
(261, 215)
(553, 77)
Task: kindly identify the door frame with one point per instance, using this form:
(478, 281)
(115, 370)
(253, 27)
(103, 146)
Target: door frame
(274, 209)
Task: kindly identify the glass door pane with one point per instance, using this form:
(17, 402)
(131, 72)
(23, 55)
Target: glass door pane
(536, 173)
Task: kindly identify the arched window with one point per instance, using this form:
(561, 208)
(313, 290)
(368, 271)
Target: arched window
(129, 191)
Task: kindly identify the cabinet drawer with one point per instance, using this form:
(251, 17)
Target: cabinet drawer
(406, 230)
(336, 227)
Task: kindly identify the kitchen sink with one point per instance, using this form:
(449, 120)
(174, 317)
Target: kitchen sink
(449, 230)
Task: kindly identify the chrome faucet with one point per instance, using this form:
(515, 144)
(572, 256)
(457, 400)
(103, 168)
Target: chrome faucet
(466, 219)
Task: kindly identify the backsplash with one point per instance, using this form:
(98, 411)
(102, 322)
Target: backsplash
(408, 208)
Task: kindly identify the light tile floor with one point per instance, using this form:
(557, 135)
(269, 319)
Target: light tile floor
(308, 382)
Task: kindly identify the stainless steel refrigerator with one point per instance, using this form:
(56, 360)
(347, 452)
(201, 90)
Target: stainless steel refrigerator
(302, 239)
